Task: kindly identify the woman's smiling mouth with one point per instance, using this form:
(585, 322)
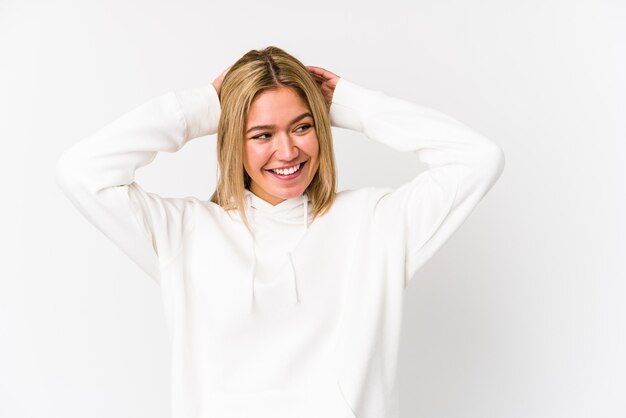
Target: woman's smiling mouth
(288, 173)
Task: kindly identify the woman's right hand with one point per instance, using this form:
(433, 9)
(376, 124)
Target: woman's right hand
(217, 83)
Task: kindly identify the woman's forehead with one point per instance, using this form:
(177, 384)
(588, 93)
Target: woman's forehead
(276, 106)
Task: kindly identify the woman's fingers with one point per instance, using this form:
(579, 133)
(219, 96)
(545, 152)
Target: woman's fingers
(314, 69)
(323, 76)
(326, 81)
(217, 83)
(321, 72)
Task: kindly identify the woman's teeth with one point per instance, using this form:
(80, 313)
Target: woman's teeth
(287, 171)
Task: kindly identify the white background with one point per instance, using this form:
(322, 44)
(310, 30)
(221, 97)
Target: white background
(522, 313)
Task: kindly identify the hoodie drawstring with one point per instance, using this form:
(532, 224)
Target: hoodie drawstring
(306, 212)
(253, 267)
(294, 284)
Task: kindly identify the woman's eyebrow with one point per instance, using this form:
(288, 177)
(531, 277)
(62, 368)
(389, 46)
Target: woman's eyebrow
(258, 127)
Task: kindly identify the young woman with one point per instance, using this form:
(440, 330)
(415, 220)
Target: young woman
(283, 297)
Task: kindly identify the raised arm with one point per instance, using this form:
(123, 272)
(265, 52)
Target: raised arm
(462, 166)
(97, 174)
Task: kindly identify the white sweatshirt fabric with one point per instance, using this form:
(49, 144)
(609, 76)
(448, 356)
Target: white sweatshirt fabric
(301, 319)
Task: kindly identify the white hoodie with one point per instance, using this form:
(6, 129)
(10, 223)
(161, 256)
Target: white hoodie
(302, 319)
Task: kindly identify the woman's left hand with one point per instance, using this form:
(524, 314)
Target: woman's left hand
(325, 80)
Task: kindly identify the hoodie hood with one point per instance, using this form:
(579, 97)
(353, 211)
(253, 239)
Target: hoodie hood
(290, 212)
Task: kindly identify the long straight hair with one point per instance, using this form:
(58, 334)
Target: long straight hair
(254, 73)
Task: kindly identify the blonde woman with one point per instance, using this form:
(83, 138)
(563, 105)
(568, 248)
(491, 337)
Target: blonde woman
(283, 297)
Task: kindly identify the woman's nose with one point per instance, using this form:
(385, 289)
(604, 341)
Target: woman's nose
(286, 149)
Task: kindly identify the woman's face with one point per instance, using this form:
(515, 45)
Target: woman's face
(280, 135)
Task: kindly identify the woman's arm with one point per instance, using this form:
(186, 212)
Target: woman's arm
(462, 166)
(97, 174)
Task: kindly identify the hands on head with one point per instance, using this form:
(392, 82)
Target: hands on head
(325, 80)
(217, 83)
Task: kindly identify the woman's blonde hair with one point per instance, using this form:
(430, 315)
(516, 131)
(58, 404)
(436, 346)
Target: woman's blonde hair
(253, 73)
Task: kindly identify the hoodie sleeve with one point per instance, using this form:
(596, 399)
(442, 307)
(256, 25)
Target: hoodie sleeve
(97, 174)
(461, 167)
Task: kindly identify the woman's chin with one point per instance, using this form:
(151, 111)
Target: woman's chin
(288, 194)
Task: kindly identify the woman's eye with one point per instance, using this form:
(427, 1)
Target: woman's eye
(300, 128)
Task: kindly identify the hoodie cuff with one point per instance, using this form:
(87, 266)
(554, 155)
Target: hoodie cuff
(351, 104)
(201, 109)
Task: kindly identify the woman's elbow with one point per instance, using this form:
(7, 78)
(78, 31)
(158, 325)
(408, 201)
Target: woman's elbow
(64, 171)
(495, 159)
(492, 164)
